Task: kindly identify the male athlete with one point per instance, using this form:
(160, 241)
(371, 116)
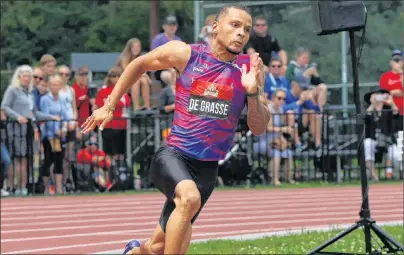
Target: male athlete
(214, 85)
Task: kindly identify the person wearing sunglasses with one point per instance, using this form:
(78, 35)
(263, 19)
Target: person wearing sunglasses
(392, 81)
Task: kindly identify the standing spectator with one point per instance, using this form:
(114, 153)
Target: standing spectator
(170, 27)
(54, 133)
(38, 76)
(132, 50)
(206, 32)
(5, 159)
(379, 132)
(39, 91)
(84, 103)
(273, 142)
(114, 133)
(19, 106)
(67, 96)
(265, 44)
(392, 81)
(48, 64)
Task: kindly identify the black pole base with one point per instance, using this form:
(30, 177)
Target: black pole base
(390, 245)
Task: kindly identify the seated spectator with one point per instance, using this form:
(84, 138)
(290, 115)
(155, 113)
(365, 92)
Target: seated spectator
(53, 134)
(302, 75)
(132, 50)
(91, 157)
(206, 32)
(48, 64)
(166, 101)
(274, 142)
(114, 133)
(392, 81)
(379, 132)
(19, 106)
(170, 27)
(292, 106)
(265, 44)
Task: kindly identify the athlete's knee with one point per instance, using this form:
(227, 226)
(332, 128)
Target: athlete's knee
(188, 201)
(156, 248)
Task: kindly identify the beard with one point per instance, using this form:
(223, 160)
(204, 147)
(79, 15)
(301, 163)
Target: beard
(232, 52)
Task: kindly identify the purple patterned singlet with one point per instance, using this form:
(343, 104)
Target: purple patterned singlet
(209, 99)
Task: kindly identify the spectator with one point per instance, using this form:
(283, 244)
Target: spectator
(84, 103)
(48, 64)
(54, 133)
(19, 106)
(93, 158)
(166, 101)
(38, 76)
(301, 75)
(206, 32)
(170, 27)
(114, 133)
(379, 133)
(265, 44)
(274, 142)
(67, 96)
(392, 81)
(39, 91)
(132, 50)
(5, 159)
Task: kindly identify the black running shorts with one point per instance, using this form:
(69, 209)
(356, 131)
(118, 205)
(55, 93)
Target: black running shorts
(169, 167)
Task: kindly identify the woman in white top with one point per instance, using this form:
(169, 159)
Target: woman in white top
(66, 93)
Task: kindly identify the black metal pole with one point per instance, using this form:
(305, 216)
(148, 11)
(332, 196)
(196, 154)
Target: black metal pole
(365, 212)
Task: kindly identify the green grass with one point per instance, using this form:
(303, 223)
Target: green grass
(294, 243)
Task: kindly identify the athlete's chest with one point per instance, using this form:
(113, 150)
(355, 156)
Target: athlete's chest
(213, 88)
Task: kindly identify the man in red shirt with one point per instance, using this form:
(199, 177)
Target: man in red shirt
(91, 156)
(392, 81)
(83, 100)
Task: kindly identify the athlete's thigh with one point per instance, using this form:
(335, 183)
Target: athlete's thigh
(167, 169)
(205, 179)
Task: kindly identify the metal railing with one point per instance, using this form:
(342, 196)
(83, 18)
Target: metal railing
(332, 157)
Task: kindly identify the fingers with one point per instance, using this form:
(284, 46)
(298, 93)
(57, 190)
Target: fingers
(88, 125)
(244, 68)
(103, 124)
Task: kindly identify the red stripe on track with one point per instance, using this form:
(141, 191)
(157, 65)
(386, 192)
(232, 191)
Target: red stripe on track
(89, 224)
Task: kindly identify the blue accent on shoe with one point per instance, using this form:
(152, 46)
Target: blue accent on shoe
(130, 245)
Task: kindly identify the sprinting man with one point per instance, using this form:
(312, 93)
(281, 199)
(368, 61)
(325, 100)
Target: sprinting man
(215, 82)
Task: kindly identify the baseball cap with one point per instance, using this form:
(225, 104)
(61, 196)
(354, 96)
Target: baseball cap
(170, 20)
(397, 53)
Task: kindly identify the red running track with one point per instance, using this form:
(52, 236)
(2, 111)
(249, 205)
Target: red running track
(91, 224)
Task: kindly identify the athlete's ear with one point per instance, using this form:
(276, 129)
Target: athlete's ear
(214, 27)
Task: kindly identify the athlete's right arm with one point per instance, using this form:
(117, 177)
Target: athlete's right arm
(174, 54)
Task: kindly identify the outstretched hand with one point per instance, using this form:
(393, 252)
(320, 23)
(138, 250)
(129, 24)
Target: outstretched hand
(102, 115)
(254, 77)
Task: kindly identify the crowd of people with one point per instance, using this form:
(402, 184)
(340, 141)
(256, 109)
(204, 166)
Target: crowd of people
(41, 102)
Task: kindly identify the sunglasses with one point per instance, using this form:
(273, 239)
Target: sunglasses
(115, 75)
(64, 74)
(83, 74)
(260, 25)
(279, 66)
(397, 60)
(37, 77)
(281, 98)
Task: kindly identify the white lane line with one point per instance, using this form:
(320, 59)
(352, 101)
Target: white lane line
(153, 223)
(123, 242)
(253, 210)
(123, 210)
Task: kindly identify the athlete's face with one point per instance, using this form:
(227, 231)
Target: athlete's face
(233, 29)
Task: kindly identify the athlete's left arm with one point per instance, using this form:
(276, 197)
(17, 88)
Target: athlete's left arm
(258, 114)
